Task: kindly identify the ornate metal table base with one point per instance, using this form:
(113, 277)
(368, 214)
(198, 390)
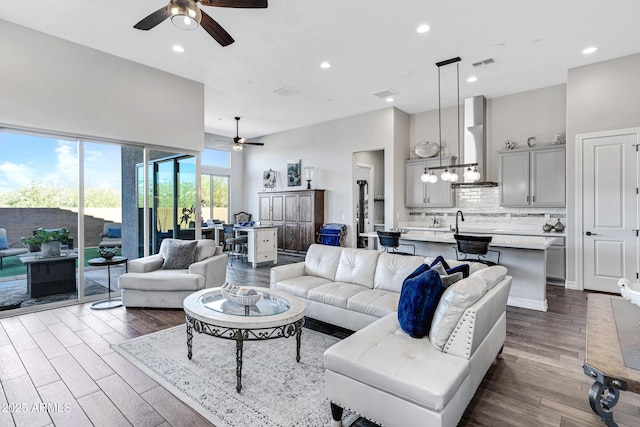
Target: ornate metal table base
(604, 393)
(242, 335)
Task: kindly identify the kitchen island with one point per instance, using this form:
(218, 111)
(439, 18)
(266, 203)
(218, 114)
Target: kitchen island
(523, 256)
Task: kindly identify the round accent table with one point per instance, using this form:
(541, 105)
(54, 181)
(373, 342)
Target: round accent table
(101, 262)
(276, 315)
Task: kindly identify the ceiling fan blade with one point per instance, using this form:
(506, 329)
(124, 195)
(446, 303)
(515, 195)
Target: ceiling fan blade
(152, 20)
(215, 30)
(235, 3)
(252, 143)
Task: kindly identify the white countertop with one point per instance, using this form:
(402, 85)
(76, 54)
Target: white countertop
(499, 240)
(491, 230)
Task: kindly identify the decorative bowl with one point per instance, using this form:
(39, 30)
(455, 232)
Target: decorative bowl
(241, 299)
(107, 253)
(427, 149)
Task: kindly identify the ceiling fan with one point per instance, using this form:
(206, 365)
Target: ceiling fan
(239, 143)
(186, 14)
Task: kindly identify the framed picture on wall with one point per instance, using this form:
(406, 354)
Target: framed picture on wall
(269, 179)
(293, 173)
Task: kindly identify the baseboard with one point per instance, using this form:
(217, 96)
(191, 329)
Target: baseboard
(572, 285)
(527, 303)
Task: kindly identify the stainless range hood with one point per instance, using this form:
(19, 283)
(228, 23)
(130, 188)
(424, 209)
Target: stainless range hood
(475, 134)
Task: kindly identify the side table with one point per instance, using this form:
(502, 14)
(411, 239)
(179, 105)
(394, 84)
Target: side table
(101, 262)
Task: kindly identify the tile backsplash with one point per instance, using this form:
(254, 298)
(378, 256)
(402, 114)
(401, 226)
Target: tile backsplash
(481, 208)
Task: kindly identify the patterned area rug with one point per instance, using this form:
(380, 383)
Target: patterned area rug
(276, 391)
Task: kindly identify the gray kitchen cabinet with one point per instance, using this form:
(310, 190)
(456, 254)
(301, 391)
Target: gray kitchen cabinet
(533, 177)
(556, 268)
(419, 194)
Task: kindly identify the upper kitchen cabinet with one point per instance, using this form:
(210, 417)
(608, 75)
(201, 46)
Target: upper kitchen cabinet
(533, 177)
(419, 194)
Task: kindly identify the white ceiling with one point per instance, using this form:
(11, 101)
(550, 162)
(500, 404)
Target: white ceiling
(372, 46)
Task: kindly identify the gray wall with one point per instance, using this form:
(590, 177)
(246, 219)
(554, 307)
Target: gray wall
(54, 85)
(602, 96)
(329, 147)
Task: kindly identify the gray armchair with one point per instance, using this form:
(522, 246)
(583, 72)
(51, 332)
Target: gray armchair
(10, 249)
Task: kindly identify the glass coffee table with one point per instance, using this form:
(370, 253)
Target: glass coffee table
(276, 315)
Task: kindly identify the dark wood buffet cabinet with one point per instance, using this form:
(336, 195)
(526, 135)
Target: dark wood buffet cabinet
(297, 214)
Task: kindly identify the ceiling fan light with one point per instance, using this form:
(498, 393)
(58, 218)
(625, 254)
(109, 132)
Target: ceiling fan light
(185, 14)
(237, 147)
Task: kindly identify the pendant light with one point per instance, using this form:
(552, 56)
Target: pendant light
(450, 173)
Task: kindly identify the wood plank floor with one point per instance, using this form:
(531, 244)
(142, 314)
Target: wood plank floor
(66, 352)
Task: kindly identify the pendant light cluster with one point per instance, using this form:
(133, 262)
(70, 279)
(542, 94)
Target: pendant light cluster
(450, 173)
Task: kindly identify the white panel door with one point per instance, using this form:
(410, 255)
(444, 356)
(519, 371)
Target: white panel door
(610, 217)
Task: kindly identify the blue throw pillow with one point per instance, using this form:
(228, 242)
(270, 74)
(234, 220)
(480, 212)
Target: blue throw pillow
(419, 297)
(463, 268)
(4, 244)
(114, 232)
(438, 259)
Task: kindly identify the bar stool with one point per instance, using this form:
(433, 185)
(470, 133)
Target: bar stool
(390, 241)
(237, 246)
(474, 245)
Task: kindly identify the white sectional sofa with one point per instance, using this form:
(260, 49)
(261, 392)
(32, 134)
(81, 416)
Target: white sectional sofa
(347, 287)
(380, 372)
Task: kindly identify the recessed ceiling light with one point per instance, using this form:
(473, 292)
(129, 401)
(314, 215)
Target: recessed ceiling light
(423, 28)
(390, 99)
(589, 50)
(325, 64)
(472, 79)
(177, 48)
(498, 45)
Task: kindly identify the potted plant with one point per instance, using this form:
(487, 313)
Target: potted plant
(49, 241)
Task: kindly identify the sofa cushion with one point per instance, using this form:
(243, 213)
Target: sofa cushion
(491, 275)
(335, 293)
(114, 233)
(179, 255)
(300, 286)
(374, 302)
(162, 280)
(384, 357)
(4, 244)
(453, 303)
(391, 270)
(357, 266)
(419, 297)
(206, 248)
(322, 261)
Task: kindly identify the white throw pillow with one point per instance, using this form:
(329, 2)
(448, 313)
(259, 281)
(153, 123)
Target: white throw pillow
(453, 303)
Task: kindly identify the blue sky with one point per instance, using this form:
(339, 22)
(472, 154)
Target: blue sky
(28, 158)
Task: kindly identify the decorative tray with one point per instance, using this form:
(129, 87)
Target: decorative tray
(427, 149)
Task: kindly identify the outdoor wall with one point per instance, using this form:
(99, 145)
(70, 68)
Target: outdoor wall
(24, 220)
(329, 147)
(54, 85)
(600, 97)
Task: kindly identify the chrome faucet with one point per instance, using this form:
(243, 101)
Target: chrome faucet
(461, 217)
